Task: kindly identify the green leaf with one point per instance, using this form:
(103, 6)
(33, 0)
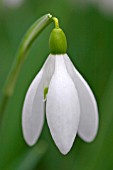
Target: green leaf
(27, 41)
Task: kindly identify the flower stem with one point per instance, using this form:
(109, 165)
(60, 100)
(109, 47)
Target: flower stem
(56, 22)
(32, 33)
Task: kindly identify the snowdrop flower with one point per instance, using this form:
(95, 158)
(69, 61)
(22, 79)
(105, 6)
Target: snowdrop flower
(71, 108)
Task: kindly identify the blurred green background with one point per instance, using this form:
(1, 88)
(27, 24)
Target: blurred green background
(89, 33)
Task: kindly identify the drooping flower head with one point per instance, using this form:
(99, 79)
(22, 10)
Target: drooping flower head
(71, 107)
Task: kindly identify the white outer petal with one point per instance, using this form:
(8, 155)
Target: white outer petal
(62, 108)
(88, 125)
(32, 122)
(33, 109)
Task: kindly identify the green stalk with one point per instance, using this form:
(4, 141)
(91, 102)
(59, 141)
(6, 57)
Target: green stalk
(32, 33)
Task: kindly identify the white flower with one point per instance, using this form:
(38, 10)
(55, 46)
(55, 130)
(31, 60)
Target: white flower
(70, 105)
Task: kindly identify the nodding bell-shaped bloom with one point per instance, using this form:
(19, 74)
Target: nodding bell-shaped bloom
(71, 107)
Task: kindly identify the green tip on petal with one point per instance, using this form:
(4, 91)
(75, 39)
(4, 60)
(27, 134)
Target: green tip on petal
(45, 92)
(57, 41)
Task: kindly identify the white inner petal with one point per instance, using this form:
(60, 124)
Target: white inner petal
(88, 125)
(62, 109)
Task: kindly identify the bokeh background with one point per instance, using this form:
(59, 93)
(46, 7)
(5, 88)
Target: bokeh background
(88, 25)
